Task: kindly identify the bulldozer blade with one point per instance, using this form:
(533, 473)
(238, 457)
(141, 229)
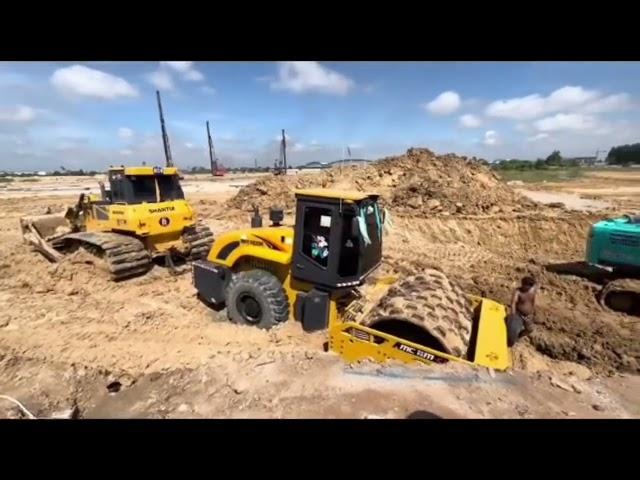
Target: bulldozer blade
(39, 230)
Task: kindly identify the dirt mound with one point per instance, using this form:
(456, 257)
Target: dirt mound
(277, 191)
(418, 182)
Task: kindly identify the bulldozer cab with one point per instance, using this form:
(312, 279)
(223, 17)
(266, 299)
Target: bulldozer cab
(134, 185)
(337, 239)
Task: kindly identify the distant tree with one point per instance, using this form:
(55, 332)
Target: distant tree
(624, 155)
(514, 164)
(571, 162)
(555, 159)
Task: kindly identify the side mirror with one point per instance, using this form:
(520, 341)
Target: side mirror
(355, 228)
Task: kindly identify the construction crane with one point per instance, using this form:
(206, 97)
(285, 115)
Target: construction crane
(216, 170)
(165, 137)
(280, 165)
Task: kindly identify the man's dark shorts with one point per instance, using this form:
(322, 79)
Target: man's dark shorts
(525, 320)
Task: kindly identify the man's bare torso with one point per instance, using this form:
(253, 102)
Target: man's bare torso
(526, 301)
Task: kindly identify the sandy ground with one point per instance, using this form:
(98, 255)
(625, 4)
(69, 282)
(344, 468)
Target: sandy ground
(74, 186)
(148, 347)
(620, 188)
(571, 201)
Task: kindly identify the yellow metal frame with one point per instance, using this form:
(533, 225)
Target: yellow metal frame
(356, 342)
(348, 196)
(145, 170)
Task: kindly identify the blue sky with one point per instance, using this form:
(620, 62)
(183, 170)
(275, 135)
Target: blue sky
(92, 114)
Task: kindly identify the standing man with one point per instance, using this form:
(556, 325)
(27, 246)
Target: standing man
(521, 318)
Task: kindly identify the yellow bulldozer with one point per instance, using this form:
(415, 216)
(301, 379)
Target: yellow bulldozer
(321, 273)
(143, 215)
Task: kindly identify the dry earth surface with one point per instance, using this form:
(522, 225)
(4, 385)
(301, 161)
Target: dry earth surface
(147, 347)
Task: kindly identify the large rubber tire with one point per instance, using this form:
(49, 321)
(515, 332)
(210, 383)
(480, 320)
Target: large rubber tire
(256, 298)
(432, 302)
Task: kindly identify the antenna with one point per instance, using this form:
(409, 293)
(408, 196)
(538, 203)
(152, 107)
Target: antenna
(212, 153)
(165, 137)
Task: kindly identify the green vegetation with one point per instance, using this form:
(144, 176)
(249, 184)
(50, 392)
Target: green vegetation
(30, 179)
(63, 172)
(553, 174)
(6, 179)
(624, 155)
(554, 160)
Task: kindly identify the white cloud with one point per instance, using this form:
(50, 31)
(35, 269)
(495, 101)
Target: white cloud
(160, 79)
(300, 77)
(17, 114)
(537, 137)
(490, 138)
(88, 82)
(208, 90)
(182, 67)
(185, 69)
(124, 132)
(470, 121)
(126, 152)
(444, 104)
(189, 145)
(566, 121)
(568, 98)
(612, 103)
(193, 76)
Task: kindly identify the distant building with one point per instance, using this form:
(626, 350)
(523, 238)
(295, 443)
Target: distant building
(583, 161)
(311, 165)
(42, 173)
(350, 162)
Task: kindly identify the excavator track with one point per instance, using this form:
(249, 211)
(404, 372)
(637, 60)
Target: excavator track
(200, 240)
(621, 295)
(124, 256)
(431, 302)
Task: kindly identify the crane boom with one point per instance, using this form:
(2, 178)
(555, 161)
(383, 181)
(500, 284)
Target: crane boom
(165, 137)
(284, 151)
(212, 153)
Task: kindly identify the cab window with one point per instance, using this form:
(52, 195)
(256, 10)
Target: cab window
(350, 251)
(317, 227)
(170, 188)
(144, 188)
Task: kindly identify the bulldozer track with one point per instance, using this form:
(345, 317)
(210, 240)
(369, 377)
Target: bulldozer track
(124, 256)
(200, 240)
(621, 295)
(434, 303)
